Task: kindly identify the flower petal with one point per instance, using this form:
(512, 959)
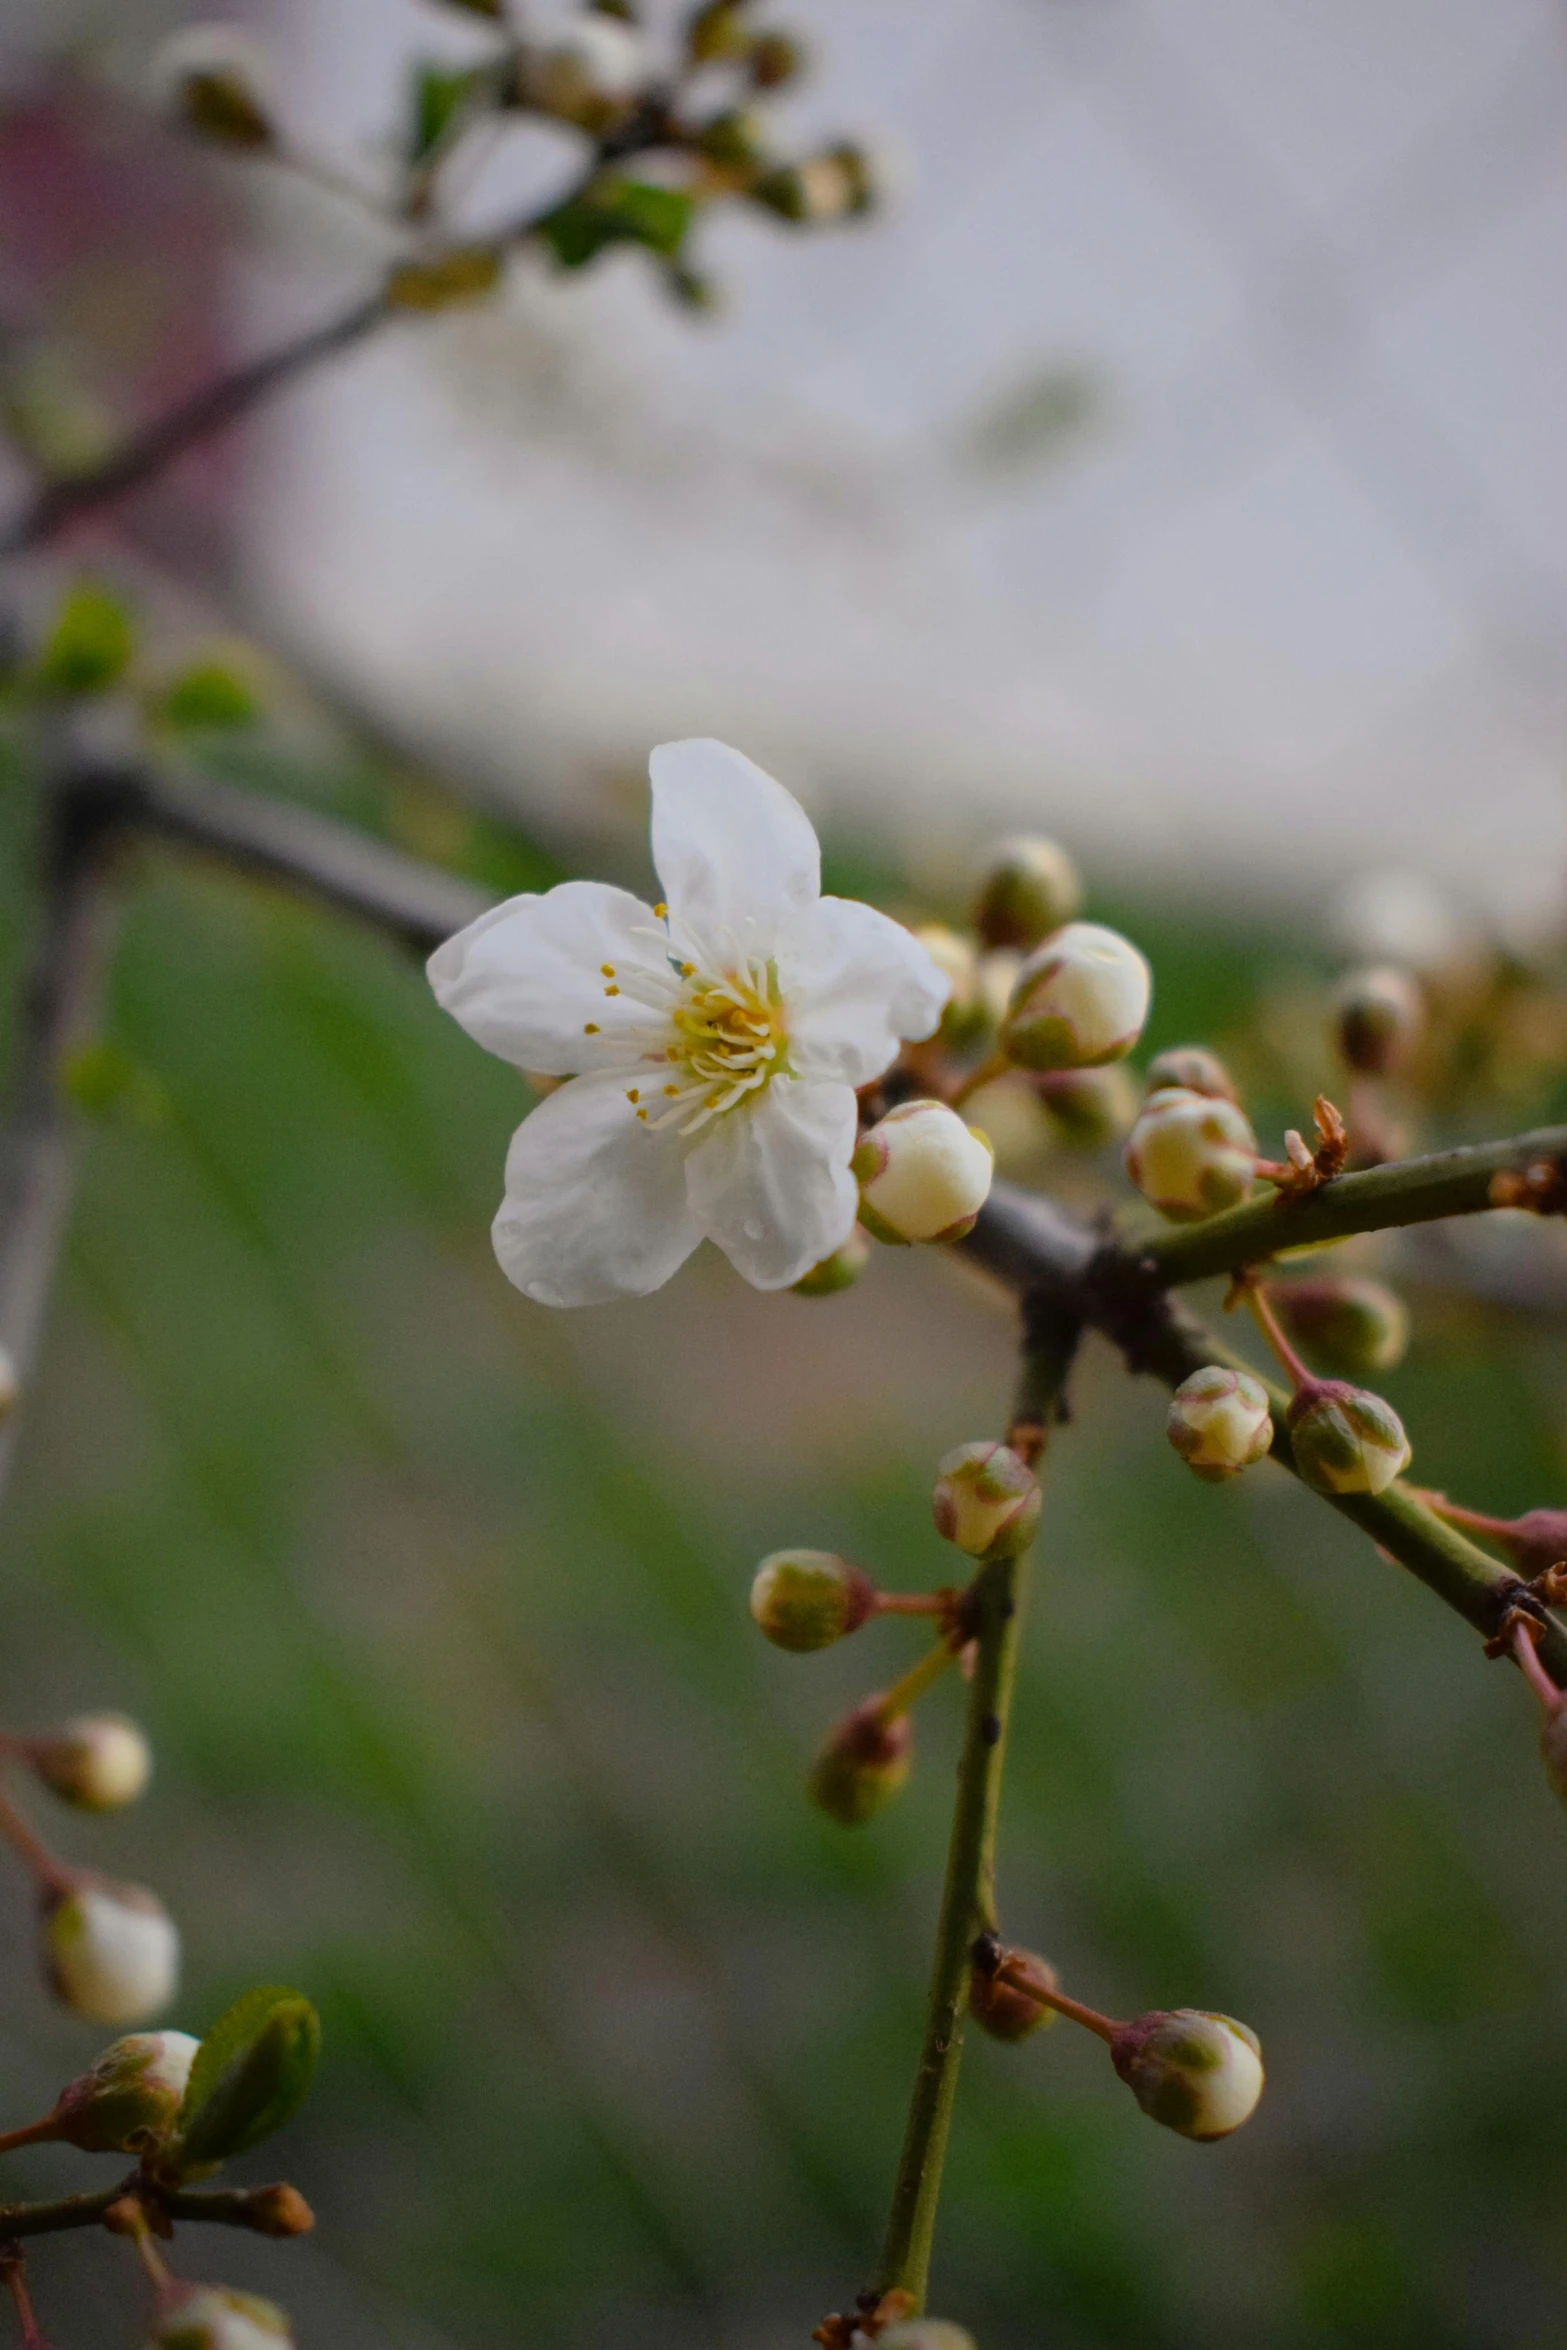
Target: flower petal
(772, 1184)
(595, 1202)
(734, 851)
(856, 983)
(527, 980)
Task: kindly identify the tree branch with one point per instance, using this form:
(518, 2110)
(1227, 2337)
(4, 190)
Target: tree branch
(227, 2207)
(1410, 1191)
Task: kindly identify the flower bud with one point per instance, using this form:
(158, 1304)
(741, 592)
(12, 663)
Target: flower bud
(1194, 1069)
(10, 1386)
(1378, 1016)
(774, 59)
(278, 2210)
(986, 1501)
(839, 1271)
(734, 140)
(1220, 1422)
(211, 2317)
(211, 79)
(805, 1599)
(1535, 1541)
(130, 2097)
(863, 1765)
(1198, 2074)
(96, 1761)
(586, 73)
(1345, 1439)
(966, 1015)
(1190, 1154)
(1348, 1324)
(111, 1952)
(1006, 2010)
(1087, 1108)
(923, 1174)
(1029, 887)
(1553, 1751)
(924, 2333)
(824, 187)
(716, 33)
(1080, 999)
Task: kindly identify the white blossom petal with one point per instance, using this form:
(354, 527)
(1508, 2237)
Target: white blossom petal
(735, 852)
(595, 1204)
(856, 983)
(772, 1184)
(527, 980)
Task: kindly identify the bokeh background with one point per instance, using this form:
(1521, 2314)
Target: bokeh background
(1177, 468)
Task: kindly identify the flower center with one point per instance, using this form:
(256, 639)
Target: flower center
(731, 1040)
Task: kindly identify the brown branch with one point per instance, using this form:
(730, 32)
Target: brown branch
(259, 2209)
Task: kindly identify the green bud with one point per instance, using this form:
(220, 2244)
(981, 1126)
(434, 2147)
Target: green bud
(774, 59)
(211, 2317)
(839, 1271)
(734, 141)
(1028, 888)
(97, 1761)
(805, 1599)
(986, 1501)
(966, 1016)
(1348, 1324)
(1087, 1108)
(1198, 2074)
(209, 697)
(1190, 1154)
(1378, 1015)
(1220, 1422)
(251, 2074)
(110, 1952)
(1080, 999)
(924, 2333)
(1005, 2010)
(863, 1765)
(131, 2096)
(717, 33)
(1345, 1439)
(923, 1174)
(89, 646)
(1194, 1069)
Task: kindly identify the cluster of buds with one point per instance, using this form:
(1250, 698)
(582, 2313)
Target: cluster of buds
(1344, 1439)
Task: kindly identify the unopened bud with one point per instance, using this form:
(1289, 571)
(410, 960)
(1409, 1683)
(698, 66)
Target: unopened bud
(10, 1386)
(1080, 999)
(825, 187)
(1008, 2011)
(130, 2097)
(97, 1761)
(805, 1599)
(862, 1766)
(1087, 1108)
(278, 2210)
(735, 141)
(924, 2333)
(1196, 2073)
(839, 1271)
(1348, 1324)
(1028, 888)
(986, 1501)
(111, 1952)
(716, 32)
(1379, 1014)
(923, 1174)
(212, 2317)
(1345, 1439)
(1220, 1422)
(587, 73)
(966, 1015)
(1191, 1154)
(212, 80)
(774, 59)
(1194, 1069)
(1536, 1541)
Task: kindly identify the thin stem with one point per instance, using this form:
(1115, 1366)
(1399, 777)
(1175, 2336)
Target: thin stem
(905, 1693)
(986, 1074)
(37, 2133)
(15, 2268)
(1406, 1191)
(50, 1872)
(911, 1603)
(228, 2207)
(1477, 1521)
(1534, 1672)
(1267, 1322)
(966, 1906)
(1022, 1978)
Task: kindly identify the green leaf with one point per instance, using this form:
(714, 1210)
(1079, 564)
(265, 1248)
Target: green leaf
(250, 2076)
(439, 95)
(90, 645)
(617, 212)
(105, 1082)
(207, 696)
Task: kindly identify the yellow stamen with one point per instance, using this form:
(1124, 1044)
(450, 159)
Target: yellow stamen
(590, 1028)
(661, 910)
(608, 970)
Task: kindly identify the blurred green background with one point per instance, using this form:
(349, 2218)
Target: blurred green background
(434, 1604)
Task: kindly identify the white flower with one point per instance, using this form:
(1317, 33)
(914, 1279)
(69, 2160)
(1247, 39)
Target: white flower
(112, 1952)
(713, 1044)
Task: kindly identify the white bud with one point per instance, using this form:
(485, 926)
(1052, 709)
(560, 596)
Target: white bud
(131, 2096)
(1220, 1422)
(1196, 2073)
(112, 1952)
(1346, 1440)
(96, 1761)
(211, 2317)
(1081, 998)
(590, 64)
(986, 1500)
(923, 1174)
(1191, 1154)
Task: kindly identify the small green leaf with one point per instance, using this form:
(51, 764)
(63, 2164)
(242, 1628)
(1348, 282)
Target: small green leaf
(205, 697)
(250, 2076)
(438, 97)
(617, 212)
(90, 645)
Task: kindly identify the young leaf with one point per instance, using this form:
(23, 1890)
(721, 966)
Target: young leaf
(617, 212)
(250, 2076)
(89, 647)
(207, 695)
(439, 95)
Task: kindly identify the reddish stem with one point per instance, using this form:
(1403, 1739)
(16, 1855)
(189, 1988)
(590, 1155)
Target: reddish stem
(1534, 1672)
(1267, 1322)
(1021, 1977)
(910, 1603)
(52, 1873)
(16, 2277)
